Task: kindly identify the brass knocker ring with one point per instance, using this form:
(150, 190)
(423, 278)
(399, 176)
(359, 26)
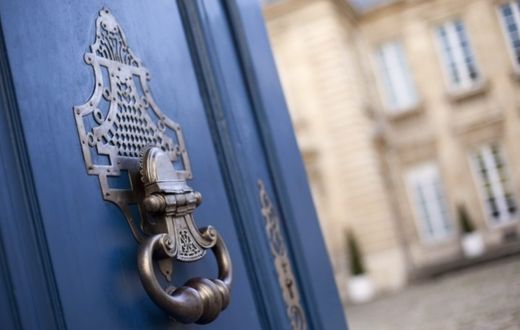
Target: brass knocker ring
(199, 300)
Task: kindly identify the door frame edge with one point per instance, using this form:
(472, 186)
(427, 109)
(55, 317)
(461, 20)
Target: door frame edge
(27, 232)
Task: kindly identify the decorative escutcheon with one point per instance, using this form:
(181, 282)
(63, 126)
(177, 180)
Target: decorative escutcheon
(126, 138)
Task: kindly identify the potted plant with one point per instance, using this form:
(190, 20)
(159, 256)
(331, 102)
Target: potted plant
(360, 287)
(472, 241)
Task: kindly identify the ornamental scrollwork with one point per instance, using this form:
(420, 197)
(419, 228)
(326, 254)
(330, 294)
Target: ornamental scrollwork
(286, 278)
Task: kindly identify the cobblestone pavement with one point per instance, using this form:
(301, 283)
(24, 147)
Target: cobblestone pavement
(482, 298)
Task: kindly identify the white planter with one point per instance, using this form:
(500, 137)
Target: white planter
(360, 289)
(473, 245)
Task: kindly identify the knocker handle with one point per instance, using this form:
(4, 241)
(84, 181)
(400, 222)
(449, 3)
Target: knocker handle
(199, 300)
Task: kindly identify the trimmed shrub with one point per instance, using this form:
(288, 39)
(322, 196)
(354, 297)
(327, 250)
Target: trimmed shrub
(355, 258)
(465, 222)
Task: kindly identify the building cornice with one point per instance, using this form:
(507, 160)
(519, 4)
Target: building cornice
(387, 7)
(283, 8)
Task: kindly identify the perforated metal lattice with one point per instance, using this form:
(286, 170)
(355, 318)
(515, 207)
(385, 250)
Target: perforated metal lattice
(121, 119)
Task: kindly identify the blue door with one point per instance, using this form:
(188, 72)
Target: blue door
(150, 176)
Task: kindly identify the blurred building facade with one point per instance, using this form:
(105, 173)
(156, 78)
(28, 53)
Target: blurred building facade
(405, 113)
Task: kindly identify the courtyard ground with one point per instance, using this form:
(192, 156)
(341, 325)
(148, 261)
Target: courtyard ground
(486, 297)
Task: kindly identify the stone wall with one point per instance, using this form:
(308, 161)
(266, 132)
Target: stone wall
(357, 153)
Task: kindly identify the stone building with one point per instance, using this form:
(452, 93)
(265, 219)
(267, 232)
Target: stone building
(406, 112)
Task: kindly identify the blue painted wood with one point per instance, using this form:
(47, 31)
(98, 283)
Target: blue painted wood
(92, 250)
(241, 106)
(27, 280)
(285, 164)
(206, 75)
(9, 312)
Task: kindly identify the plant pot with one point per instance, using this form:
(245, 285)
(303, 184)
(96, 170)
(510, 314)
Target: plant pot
(473, 245)
(360, 289)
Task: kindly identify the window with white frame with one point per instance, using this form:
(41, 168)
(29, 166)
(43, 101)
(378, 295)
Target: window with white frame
(429, 203)
(495, 184)
(395, 79)
(510, 17)
(457, 55)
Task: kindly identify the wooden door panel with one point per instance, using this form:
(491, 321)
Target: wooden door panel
(93, 252)
(211, 72)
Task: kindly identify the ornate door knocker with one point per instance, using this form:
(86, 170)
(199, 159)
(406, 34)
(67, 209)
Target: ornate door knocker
(124, 134)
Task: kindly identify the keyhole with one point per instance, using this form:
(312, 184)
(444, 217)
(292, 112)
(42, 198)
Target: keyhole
(289, 284)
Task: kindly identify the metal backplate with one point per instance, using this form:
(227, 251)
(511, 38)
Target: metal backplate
(286, 278)
(121, 119)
